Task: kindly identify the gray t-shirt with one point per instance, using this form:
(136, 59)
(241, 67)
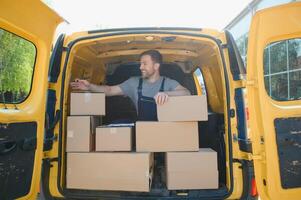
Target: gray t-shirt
(130, 87)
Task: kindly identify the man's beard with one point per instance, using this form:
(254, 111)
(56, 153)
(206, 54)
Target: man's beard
(146, 75)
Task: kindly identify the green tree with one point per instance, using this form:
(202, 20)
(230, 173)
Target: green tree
(17, 57)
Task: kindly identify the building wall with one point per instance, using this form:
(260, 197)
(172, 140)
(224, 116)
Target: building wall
(239, 26)
(282, 59)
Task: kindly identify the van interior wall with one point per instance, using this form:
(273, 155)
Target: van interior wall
(86, 66)
(211, 132)
(211, 71)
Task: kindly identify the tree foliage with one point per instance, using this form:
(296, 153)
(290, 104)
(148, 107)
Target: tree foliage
(17, 57)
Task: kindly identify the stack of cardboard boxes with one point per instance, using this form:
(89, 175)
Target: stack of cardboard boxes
(101, 157)
(176, 133)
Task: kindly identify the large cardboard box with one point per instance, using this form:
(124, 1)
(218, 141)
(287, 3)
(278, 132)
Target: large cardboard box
(113, 138)
(85, 103)
(81, 133)
(166, 136)
(192, 170)
(183, 108)
(110, 171)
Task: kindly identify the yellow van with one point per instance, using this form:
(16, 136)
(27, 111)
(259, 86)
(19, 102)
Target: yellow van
(254, 118)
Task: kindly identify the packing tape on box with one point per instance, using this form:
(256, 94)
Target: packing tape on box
(88, 97)
(113, 130)
(70, 134)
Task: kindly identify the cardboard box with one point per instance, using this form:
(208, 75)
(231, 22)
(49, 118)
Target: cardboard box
(87, 104)
(183, 108)
(81, 132)
(166, 136)
(113, 138)
(192, 170)
(109, 171)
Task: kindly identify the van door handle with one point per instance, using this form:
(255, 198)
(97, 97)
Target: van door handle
(7, 146)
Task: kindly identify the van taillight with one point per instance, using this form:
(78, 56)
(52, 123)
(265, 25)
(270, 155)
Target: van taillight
(254, 192)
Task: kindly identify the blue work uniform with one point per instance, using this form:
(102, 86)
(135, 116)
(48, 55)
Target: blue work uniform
(147, 108)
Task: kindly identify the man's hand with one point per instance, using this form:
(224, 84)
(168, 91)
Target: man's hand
(161, 98)
(79, 84)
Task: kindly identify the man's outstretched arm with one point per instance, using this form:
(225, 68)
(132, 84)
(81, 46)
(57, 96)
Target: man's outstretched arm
(85, 85)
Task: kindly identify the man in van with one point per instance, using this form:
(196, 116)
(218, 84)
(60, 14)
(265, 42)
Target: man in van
(145, 91)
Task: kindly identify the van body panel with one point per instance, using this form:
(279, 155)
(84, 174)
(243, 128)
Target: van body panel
(90, 55)
(240, 182)
(273, 122)
(35, 23)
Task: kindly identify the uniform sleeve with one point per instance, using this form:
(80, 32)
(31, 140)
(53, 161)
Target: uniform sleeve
(128, 87)
(171, 84)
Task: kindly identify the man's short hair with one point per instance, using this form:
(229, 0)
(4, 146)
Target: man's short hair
(154, 54)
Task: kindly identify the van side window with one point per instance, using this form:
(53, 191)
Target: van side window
(282, 70)
(17, 58)
(201, 83)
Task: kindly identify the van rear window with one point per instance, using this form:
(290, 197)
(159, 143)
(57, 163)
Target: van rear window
(17, 57)
(282, 70)
(201, 82)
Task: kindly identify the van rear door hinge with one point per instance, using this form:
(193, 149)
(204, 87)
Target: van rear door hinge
(65, 48)
(48, 161)
(252, 83)
(255, 157)
(224, 46)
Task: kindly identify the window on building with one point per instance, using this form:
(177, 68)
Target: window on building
(242, 45)
(240, 33)
(269, 3)
(17, 57)
(240, 28)
(282, 70)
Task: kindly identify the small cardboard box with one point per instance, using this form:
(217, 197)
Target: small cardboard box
(166, 136)
(110, 171)
(85, 103)
(183, 108)
(192, 170)
(81, 132)
(113, 138)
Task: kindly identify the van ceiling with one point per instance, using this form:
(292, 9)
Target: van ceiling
(127, 48)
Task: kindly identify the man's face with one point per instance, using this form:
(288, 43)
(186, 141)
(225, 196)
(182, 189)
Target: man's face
(148, 67)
